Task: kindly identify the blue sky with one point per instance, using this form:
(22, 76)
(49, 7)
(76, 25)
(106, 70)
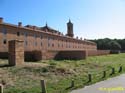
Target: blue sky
(92, 19)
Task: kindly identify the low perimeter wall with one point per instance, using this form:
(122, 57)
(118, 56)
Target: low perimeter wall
(75, 55)
(33, 55)
(4, 55)
(38, 55)
(28, 55)
(98, 52)
(58, 55)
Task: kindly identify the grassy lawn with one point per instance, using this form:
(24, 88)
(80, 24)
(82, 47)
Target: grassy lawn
(58, 74)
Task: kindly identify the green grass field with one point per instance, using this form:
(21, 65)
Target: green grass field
(58, 74)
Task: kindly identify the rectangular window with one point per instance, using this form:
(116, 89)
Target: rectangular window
(35, 43)
(25, 38)
(35, 36)
(49, 39)
(25, 34)
(4, 31)
(18, 33)
(69, 46)
(41, 37)
(41, 43)
(4, 41)
(25, 43)
(52, 45)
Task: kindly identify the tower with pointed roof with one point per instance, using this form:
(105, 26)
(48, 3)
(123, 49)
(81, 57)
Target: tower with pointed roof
(70, 29)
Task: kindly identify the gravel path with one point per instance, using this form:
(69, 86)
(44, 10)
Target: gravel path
(112, 85)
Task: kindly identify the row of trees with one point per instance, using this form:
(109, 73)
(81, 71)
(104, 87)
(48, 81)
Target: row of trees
(110, 44)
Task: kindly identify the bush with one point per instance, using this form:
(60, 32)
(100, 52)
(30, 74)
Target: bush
(45, 69)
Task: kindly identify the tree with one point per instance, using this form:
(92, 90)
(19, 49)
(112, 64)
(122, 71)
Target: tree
(103, 43)
(122, 43)
(110, 44)
(113, 45)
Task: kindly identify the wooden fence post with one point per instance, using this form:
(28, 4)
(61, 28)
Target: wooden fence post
(43, 86)
(120, 69)
(72, 83)
(113, 71)
(1, 88)
(90, 77)
(104, 74)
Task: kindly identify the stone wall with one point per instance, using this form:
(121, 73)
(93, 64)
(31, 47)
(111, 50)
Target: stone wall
(39, 55)
(98, 52)
(51, 54)
(4, 55)
(32, 55)
(16, 52)
(75, 55)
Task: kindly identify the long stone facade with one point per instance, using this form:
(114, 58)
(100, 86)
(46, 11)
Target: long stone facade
(49, 42)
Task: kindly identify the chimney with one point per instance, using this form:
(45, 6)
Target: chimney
(34, 27)
(1, 20)
(19, 24)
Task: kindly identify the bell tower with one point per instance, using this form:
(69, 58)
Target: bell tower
(70, 29)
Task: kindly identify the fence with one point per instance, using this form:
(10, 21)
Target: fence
(89, 79)
(72, 84)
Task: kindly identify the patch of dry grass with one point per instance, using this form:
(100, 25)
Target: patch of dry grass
(26, 78)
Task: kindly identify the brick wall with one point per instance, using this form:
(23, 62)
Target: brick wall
(40, 40)
(39, 55)
(66, 54)
(98, 52)
(16, 52)
(39, 43)
(33, 55)
(4, 55)
(76, 55)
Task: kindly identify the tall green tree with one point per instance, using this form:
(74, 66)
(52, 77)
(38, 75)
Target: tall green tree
(110, 44)
(113, 45)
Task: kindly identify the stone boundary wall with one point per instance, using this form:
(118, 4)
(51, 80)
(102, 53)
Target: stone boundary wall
(32, 55)
(58, 55)
(51, 54)
(4, 55)
(28, 55)
(98, 52)
(75, 55)
(37, 55)
(103, 52)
